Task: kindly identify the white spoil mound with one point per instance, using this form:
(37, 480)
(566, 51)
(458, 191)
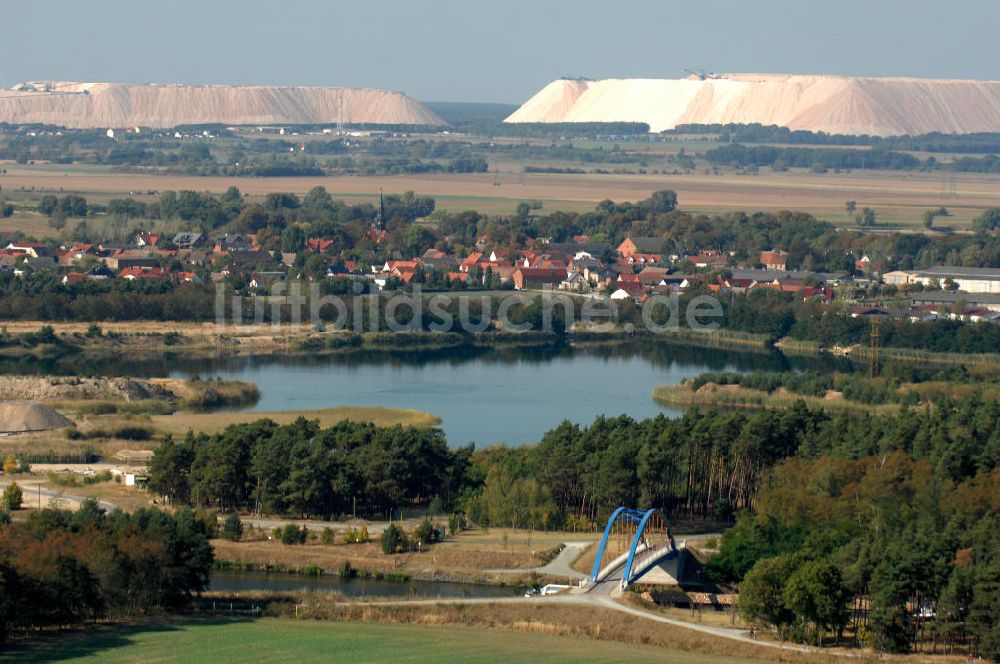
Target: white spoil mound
(832, 104)
(98, 105)
(23, 416)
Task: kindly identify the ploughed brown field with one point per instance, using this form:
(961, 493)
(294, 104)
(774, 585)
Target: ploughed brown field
(898, 198)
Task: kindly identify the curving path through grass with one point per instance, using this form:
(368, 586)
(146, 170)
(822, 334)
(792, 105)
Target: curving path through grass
(561, 565)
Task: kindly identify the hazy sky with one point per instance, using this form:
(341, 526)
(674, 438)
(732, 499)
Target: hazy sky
(454, 50)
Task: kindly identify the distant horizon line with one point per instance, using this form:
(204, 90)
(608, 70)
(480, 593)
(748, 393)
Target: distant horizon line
(7, 86)
(682, 75)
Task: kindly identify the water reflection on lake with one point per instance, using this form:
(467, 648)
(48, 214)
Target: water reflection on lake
(485, 395)
(237, 581)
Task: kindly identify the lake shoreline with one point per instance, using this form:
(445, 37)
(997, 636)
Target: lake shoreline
(237, 567)
(147, 340)
(197, 340)
(504, 391)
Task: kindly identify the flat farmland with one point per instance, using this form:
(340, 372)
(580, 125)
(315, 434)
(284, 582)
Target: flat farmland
(29, 223)
(898, 198)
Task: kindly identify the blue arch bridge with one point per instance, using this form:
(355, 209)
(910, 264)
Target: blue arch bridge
(636, 544)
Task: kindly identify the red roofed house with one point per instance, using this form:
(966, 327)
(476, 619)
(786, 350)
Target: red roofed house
(404, 274)
(76, 253)
(401, 265)
(640, 245)
(74, 278)
(627, 290)
(147, 239)
(652, 276)
(822, 294)
(720, 285)
(318, 244)
(33, 249)
(503, 265)
(625, 278)
(504, 272)
(533, 258)
(644, 259)
(434, 255)
(132, 273)
(458, 276)
(710, 258)
(526, 277)
(471, 262)
(775, 259)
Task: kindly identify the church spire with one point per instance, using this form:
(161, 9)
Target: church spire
(380, 213)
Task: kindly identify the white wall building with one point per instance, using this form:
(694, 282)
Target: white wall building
(967, 279)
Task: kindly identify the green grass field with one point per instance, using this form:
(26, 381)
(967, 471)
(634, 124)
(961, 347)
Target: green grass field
(275, 640)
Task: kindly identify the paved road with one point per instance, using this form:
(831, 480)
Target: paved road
(606, 594)
(37, 497)
(375, 528)
(609, 586)
(602, 599)
(97, 466)
(561, 565)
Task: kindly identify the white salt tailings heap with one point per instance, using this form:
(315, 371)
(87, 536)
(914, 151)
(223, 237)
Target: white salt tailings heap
(832, 104)
(90, 105)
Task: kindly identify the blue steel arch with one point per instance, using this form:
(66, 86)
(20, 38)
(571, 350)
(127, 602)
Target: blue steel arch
(640, 517)
(627, 574)
(626, 514)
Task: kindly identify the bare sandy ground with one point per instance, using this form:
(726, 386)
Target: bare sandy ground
(903, 195)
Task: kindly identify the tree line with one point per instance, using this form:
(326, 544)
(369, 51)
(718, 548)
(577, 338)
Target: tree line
(854, 386)
(783, 158)
(779, 315)
(890, 521)
(901, 550)
(711, 464)
(704, 464)
(983, 142)
(304, 470)
(61, 568)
